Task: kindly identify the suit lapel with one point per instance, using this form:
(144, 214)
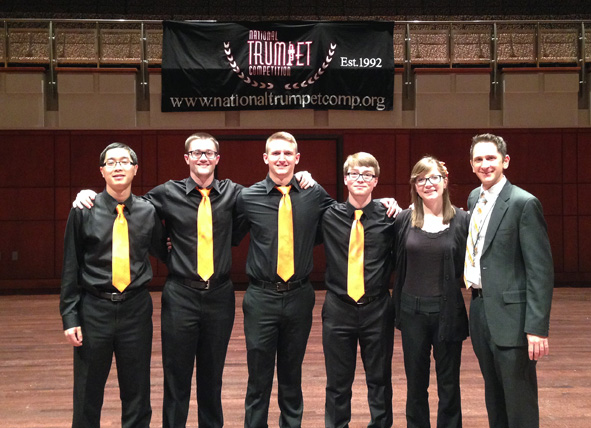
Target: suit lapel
(497, 214)
(473, 198)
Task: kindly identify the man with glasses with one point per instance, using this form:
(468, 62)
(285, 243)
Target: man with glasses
(105, 305)
(358, 240)
(198, 307)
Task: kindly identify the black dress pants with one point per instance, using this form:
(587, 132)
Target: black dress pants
(344, 326)
(120, 328)
(276, 325)
(510, 381)
(196, 329)
(419, 331)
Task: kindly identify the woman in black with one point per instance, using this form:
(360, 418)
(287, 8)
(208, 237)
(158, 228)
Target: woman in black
(430, 310)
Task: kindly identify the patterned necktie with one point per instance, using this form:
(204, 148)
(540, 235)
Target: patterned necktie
(476, 223)
(355, 278)
(285, 264)
(204, 237)
(120, 251)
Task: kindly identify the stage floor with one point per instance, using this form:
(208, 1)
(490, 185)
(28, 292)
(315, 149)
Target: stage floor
(36, 371)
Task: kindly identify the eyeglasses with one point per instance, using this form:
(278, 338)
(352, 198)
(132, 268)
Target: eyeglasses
(434, 179)
(196, 154)
(366, 176)
(123, 163)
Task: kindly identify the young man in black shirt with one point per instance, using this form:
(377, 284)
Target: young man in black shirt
(358, 308)
(278, 309)
(105, 306)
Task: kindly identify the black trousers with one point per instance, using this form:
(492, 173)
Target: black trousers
(343, 327)
(276, 325)
(510, 381)
(196, 329)
(419, 331)
(120, 328)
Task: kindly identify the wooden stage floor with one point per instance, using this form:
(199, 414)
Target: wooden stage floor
(36, 371)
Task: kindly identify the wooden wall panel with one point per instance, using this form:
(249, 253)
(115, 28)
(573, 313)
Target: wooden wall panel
(570, 244)
(584, 157)
(32, 243)
(27, 159)
(584, 244)
(242, 161)
(171, 163)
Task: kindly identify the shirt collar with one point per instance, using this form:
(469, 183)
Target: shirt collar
(190, 185)
(112, 203)
(494, 190)
(367, 210)
(270, 184)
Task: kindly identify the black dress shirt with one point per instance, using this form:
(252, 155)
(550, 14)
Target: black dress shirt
(260, 206)
(379, 234)
(88, 245)
(177, 203)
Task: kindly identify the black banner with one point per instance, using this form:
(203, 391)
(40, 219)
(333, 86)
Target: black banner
(265, 66)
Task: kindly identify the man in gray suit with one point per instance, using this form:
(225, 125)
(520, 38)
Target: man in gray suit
(509, 269)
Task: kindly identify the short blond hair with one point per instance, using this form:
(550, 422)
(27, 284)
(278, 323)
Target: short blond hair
(201, 136)
(282, 135)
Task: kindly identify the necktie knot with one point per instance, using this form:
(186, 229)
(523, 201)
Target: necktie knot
(204, 192)
(358, 214)
(482, 200)
(120, 209)
(284, 189)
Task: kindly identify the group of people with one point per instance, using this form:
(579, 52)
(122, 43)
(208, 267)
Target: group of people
(499, 250)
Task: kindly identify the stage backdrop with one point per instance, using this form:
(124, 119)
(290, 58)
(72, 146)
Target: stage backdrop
(264, 66)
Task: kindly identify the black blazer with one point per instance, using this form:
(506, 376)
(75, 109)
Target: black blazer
(453, 325)
(516, 267)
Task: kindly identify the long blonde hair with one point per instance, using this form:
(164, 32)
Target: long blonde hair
(418, 214)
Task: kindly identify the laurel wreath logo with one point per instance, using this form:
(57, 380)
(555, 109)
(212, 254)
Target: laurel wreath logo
(268, 85)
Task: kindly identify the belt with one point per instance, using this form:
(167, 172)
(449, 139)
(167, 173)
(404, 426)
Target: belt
(416, 304)
(365, 300)
(476, 292)
(279, 286)
(114, 297)
(200, 284)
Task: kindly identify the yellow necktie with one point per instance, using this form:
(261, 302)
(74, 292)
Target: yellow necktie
(355, 279)
(285, 266)
(120, 251)
(204, 237)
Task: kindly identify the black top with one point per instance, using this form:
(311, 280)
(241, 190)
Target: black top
(378, 231)
(424, 262)
(260, 205)
(177, 203)
(88, 244)
(453, 318)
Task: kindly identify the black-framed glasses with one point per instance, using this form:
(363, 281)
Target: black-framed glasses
(197, 154)
(366, 176)
(123, 163)
(434, 179)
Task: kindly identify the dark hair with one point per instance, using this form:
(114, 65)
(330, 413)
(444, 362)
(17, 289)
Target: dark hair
(489, 138)
(132, 154)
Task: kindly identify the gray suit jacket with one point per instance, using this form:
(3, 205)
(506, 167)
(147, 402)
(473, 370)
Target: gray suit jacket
(516, 267)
